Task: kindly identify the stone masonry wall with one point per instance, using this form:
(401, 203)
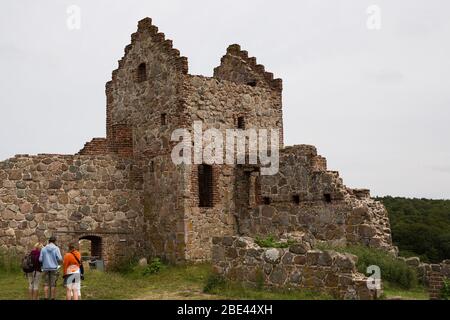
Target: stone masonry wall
(431, 275)
(71, 197)
(142, 102)
(164, 203)
(218, 104)
(241, 259)
(305, 196)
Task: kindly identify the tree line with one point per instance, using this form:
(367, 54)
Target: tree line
(420, 227)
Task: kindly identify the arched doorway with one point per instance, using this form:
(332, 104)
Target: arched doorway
(91, 247)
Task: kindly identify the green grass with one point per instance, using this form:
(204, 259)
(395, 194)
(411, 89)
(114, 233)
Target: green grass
(10, 261)
(171, 282)
(417, 293)
(271, 242)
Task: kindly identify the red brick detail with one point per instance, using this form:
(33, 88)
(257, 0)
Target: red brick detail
(97, 146)
(435, 284)
(122, 140)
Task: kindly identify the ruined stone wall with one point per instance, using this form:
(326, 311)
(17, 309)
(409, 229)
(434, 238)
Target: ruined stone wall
(204, 223)
(218, 104)
(305, 196)
(164, 208)
(430, 275)
(241, 259)
(149, 103)
(238, 67)
(72, 197)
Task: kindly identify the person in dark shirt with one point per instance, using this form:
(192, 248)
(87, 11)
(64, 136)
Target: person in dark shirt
(34, 277)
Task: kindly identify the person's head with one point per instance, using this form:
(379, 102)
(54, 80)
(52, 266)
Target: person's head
(38, 246)
(52, 239)
(72, 247)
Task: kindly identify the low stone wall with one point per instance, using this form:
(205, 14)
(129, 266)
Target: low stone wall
(431, 275)
(241, 259)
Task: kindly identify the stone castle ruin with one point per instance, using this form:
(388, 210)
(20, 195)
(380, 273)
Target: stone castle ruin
(125, 194)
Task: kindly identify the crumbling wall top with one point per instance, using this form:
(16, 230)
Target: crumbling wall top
(237, 66)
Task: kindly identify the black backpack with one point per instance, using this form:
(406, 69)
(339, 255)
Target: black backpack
(28, 263)
(81, 266)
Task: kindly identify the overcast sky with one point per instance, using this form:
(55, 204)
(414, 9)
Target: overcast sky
(376, 103)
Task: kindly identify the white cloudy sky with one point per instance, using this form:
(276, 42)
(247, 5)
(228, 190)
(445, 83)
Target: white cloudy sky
(375, 103)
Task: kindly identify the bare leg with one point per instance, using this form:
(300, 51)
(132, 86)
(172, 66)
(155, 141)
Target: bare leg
(35, 294)
(75, 294)
(30, 292)
(68, 294)
(46, 292)
(53, 292)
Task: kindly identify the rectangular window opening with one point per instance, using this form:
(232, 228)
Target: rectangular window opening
(205, 186)
(241, 123)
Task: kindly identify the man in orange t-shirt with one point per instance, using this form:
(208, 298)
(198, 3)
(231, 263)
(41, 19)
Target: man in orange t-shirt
(72, 273)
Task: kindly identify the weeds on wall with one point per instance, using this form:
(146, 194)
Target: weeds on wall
(271, 242)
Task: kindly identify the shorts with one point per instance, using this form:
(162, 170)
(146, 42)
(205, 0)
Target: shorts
(34, 279)
(50, 278)
(72, 281)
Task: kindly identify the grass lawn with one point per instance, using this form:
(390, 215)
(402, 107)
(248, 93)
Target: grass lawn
(180, 282)
(418, 293)
(172, 282)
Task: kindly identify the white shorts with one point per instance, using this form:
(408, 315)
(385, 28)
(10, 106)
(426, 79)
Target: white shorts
(73, 281)
(34, 280)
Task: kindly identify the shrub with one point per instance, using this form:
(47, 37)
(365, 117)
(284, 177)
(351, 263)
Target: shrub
(271, 242)
(10, 261)
(393, 270)
(213, 282)
(445, 290)
(154, 267)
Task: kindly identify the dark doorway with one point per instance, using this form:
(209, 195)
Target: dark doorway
(91, 247)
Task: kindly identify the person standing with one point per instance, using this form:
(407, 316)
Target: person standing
(50, 257)
(72, 273)
(32, 268)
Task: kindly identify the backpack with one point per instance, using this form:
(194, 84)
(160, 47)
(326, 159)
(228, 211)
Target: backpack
(28, 263)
